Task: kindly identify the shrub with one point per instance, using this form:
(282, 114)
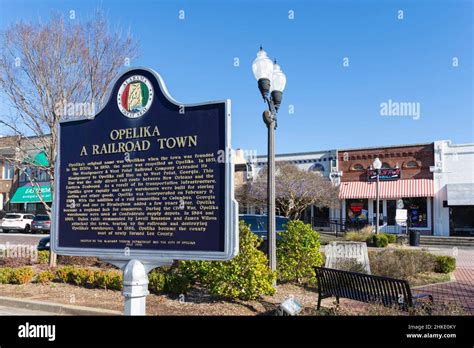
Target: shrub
(45, 277)
(298, 253)
(111, 279)
(378, 240)
(156, 281)
(114, 280)
(21, 275)
(392, 238)
(5, 275)
(247, 276)
(103, 279)
(359, 235)
(43, 257)
(176, 282)
(63, 273)
(445, 264)
(84, 277)
(196, 271)
(349, 264)
(401, 264)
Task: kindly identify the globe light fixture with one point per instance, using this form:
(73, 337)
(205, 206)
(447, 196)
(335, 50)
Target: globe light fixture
(262, 68)
(278, 84)
(377, 164)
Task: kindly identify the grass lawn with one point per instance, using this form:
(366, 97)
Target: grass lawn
(429, 278)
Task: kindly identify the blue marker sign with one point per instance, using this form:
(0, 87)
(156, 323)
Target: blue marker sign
(146, 178)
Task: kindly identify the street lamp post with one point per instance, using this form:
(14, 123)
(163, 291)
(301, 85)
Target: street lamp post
(377, 165)
(271, 80)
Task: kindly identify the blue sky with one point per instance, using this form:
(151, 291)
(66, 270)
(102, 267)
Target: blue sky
(408, 60)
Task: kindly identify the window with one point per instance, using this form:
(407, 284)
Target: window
(385, 165)
(25, 174)
(318, 168)
(12, 216)
(8, 170)
(412, 164)
(357, 210)
(417, 211)
(358, 167)
(41, 218)
(42, 175)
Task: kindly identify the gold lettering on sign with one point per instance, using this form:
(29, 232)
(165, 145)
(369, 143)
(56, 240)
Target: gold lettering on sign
(143, 200)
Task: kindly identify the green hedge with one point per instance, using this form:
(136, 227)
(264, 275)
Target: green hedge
(247, 276)
(298, 253)
(378, 240)
(5, 275)
(21, 275)
(45, 277)
(445, 264)
(392, 238)
(110, 279)
(43, 257)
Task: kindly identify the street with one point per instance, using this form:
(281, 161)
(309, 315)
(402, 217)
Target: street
(20, 238)
(4, 310)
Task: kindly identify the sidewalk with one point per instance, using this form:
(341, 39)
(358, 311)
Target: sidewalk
(461, 291)
(15, 306)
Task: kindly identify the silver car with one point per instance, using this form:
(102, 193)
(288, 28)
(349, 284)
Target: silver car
(41, 224)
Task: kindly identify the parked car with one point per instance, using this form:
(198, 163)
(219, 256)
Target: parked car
(41, 224)
(43, 244)
(17, 222)
(258, 224)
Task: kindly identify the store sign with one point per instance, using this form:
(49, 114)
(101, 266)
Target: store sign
(401, 216)
(146, 178)
(385, 174)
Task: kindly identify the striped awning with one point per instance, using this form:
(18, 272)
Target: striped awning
(387, 189)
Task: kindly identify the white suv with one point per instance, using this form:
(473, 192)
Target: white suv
(17, 222)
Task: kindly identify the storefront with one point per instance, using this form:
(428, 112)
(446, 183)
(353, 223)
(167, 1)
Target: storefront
(461, 209)
(454, 188)
(414, 195)
(27, 198)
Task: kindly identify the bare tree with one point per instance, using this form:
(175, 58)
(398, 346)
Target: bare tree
(295, 189)
(52, 71)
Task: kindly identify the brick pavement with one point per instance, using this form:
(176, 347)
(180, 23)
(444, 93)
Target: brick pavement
(459, 292)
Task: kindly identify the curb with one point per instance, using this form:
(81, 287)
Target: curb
(55, 308)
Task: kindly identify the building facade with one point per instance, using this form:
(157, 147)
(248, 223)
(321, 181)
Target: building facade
(8, 171)
(406, 182)
(454, 188)
(321, 162)
(23, 169)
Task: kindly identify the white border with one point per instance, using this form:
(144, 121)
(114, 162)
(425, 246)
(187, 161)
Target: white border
(231, 207)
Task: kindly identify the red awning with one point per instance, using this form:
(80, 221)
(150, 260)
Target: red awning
(387, 189)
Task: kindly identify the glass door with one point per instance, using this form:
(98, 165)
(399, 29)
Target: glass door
(391, 213)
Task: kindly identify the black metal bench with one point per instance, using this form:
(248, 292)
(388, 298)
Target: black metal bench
(389, 292)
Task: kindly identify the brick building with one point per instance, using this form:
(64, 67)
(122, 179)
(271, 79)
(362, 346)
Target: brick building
(406, 182)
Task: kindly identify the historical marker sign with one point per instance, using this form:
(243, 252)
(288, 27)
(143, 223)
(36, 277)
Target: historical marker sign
(146, 178)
